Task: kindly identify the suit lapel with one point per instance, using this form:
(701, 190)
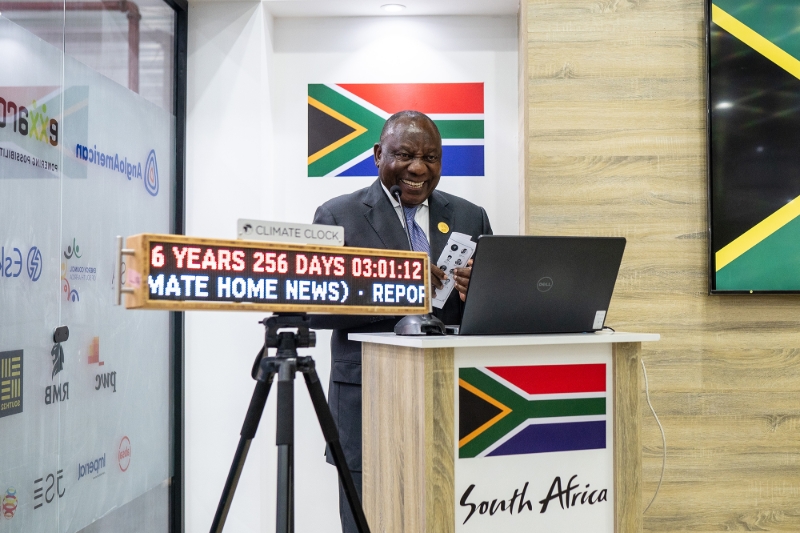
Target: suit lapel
(440, 212)
(384, 220)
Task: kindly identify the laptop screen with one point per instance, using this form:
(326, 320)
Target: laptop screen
(528, 284)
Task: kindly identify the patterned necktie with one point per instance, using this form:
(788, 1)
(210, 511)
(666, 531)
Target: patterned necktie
(419, 242)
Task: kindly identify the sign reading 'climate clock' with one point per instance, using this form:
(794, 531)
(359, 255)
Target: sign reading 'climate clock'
(177, 272)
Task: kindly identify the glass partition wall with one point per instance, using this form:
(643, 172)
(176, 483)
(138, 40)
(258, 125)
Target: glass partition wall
(91, 143)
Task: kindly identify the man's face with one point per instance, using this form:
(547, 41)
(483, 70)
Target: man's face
(410, 156)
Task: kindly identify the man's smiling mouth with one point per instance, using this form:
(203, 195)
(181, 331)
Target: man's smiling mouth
(413, 184)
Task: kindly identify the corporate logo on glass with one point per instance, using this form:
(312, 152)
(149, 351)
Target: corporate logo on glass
(14, 261)
(10, 383)
(93, 468)
(121, 164)
(9, 503)
(74, 271)
(124, 453)
(48, 488)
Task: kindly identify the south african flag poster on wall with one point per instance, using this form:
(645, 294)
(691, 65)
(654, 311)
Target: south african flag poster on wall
(345, 121)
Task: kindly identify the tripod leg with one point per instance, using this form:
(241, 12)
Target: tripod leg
(331, 434)
(251, 420)
(285, 442)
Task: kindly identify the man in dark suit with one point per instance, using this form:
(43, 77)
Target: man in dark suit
(408, 155)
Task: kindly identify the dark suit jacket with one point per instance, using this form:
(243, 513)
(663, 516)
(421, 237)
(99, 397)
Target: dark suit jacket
(370, 221)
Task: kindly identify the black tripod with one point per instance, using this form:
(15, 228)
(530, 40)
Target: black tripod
(286, 364)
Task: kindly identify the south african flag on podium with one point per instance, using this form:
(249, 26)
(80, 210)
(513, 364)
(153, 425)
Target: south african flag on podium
(516, 410)
(345, 121)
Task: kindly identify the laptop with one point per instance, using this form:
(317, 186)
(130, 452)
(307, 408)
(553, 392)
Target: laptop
(527, 284)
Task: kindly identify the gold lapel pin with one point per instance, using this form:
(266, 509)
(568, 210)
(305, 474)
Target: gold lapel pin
(443, 227)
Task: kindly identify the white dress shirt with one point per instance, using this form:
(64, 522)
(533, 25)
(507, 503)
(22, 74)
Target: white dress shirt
(421, 217)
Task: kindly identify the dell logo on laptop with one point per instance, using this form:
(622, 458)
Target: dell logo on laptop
(544, 284)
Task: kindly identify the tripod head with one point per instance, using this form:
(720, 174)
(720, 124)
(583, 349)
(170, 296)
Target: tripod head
(302, 338)
(287, 342)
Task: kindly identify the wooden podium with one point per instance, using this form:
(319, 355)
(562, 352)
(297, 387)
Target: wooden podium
(502, 433)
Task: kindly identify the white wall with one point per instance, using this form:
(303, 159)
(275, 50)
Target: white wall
(228, 174)
(247, 130)
(397, 50)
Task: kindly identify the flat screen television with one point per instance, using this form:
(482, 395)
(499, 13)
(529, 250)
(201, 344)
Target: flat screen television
(753, 101)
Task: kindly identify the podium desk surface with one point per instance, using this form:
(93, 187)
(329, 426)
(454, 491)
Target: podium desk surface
(468, 341)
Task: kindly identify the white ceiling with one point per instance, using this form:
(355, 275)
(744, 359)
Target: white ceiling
(372, 8)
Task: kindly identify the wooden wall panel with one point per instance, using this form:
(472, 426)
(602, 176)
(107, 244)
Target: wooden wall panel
(616, 145)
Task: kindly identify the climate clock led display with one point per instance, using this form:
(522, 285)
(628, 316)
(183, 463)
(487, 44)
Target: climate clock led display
(270, 275)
